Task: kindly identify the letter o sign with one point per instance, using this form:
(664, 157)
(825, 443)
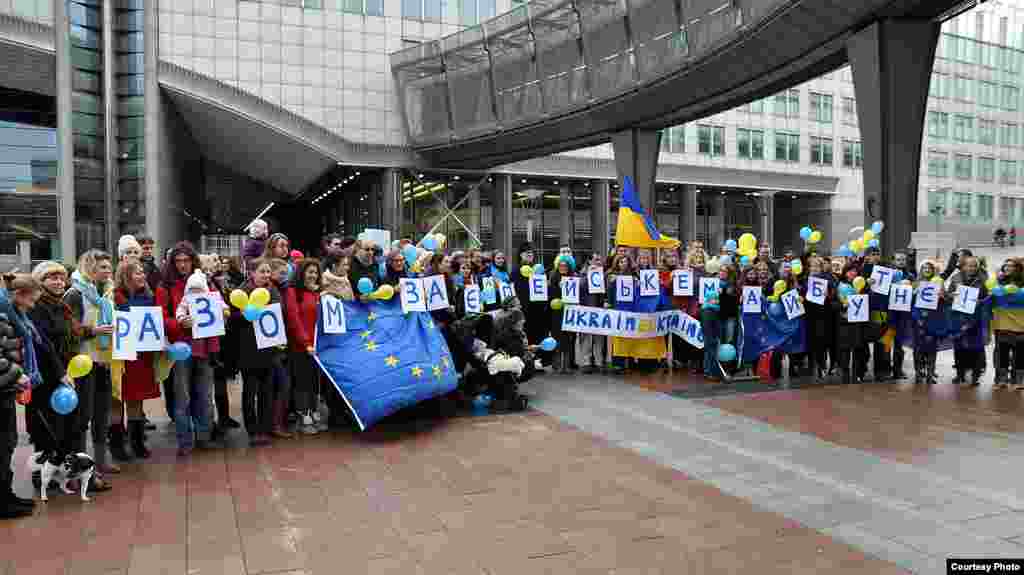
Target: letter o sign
(263, 327)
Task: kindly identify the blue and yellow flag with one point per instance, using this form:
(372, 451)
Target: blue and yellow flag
(386, 360)
(635, 228)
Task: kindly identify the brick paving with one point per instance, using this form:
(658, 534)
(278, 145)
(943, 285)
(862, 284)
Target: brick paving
(516, 494)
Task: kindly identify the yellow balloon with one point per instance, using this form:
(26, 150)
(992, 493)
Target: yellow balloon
(748, 242)
(385, 292)
(1012, 289)
(259, 297)
(937, 280)
(815, 237)
(79, 366)
(857, 246)
(556, 304)
(991, 283)
(858, 283)
(868, 236)
(780, 287)
(526, 271)
(239, 299)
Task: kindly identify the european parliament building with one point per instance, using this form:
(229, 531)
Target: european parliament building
(189, 118)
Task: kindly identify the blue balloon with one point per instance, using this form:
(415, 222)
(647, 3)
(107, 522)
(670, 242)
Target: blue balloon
(538, 269)
(548, 344)
(877, 227)
(776, 309)
(846, 290)
(805, 233)
(873, 243)
(409, 253)
(429, 243)
(365, 286)
(181, 351)
(64, 400)
(726, 352)
(725, 260)
(745, 261)
(730, 246)
(251, 313)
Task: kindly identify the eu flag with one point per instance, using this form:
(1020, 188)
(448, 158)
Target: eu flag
(386, 360)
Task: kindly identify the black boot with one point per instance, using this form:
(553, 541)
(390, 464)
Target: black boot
(847, 379)
(137, 429)
(13, 499)
(117, 437)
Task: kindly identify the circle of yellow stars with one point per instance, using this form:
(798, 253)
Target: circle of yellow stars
(392, 361)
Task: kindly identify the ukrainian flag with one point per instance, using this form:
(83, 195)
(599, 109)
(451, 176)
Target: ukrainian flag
(635, 228)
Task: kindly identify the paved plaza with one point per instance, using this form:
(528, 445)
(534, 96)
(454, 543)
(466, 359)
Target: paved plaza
(605, 475)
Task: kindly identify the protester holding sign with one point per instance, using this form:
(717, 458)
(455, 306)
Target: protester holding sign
(257, 364)
(819, 294)
(91, 306)
(718, 320)
(538, 317)
(193, 377)
(852, 346)
(563, 354)
(648, 352)
(1008, 323)
(930, 329)
(620, 273)
(139, 379)
(966, 288)
(303, 301)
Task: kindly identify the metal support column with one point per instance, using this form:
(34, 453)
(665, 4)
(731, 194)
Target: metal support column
(156, 201)
(636, 156)
(65, 141)
(110, 153)
(501, 212)
(391, 186)
(892, 67)
(564, 216)
(688, 214)
(768, 218)
(599, 215)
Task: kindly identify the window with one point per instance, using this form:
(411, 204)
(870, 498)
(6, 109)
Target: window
(1008, 171)
(962, 166)
(787, 104)
(987, 132)
(673, 140)
(821, 108)
(985, 207)
(412, 9)
(849, 111)
(988, 94)
(963, 128)
(821, 151)
(1009, 135)
(937, 203)
(853, 156)
(939, 86)
(938, 164)
(962, 205)
(787, 147)
(755, 107)
(1010, 98)
(986, 169)
(750, 144)
(961, 88)
(313, 4)
(938, 125)
(710, 140)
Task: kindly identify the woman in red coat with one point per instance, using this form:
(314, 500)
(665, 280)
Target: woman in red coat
(302, 301)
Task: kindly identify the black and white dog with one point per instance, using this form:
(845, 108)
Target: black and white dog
(52, 467)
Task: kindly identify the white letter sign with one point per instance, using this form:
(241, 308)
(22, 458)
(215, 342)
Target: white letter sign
(413, 297)
(124, 338)
(333, 313)
(207, 316)
(882, 277)
(269, 327)
(436, 293)
(682, 282)
(471, 299)
(595, 280)
(649, 283)
(148, 327)
(927, 296)
(708, 289)
(791, 301)
(624, 288)
(508, 291)
(966, 299)
(571, 290)
(538, 288)
(817, 289)
(857, 308)
(752, 299)
(900, 297)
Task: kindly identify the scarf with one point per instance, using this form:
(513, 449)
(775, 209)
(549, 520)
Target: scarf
(499, 274)
(90, 294)
(25, 330)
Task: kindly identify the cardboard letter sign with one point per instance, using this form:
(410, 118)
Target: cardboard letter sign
(817, 289)
(571, 290)
(649, 283)
(436, 293)
(207, 316)
(413, 298)
(966, 299)
(471, 299)
(269, 327)
(857, 308)
(624, 288)
(538, 288)
(791, 301)
(124, 338)
(595, 281)
(682, 282)
(752, 299)
(927, 296)
(333, 313)
(883, 279)
(900, 297)
(148, 328)
(708, 289)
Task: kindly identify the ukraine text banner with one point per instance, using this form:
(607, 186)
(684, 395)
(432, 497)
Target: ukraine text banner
(386, 360)
(610, 322)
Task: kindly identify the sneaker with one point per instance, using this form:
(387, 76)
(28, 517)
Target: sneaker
(308, 427)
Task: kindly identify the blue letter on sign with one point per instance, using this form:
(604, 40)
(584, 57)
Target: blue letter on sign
(149, 326)
(273, 318)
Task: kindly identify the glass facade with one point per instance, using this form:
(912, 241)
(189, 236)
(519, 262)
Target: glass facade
(88, 121)
(129, 49)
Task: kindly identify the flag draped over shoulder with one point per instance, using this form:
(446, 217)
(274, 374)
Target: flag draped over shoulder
(386, 361)
(635, 228)
(769, 331)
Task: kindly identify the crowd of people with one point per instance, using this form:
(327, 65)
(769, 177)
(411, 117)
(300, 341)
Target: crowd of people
(54, 313)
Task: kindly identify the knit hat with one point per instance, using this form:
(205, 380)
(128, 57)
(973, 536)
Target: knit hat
(296, 255)
(196, 281)
(126, 243)
(46, 268)
(258, 229)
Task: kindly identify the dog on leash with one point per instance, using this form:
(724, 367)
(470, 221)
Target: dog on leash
(61, 470)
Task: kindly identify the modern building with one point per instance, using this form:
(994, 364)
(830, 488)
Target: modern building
(187, 118)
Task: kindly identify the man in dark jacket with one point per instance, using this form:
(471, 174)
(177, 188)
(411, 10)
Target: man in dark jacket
(149, 265)
(362, 266)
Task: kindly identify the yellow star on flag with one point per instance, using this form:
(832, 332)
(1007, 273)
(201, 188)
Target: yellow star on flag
(417, 372)
(437, 371)
(391, 360)
(365, 334)
(371, 346)
(444, 361)
(372, 316)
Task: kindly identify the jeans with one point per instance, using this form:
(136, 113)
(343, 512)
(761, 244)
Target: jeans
(725, 333)
(193, 382)
(95, 397)
(169, 394)
(257, 398)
